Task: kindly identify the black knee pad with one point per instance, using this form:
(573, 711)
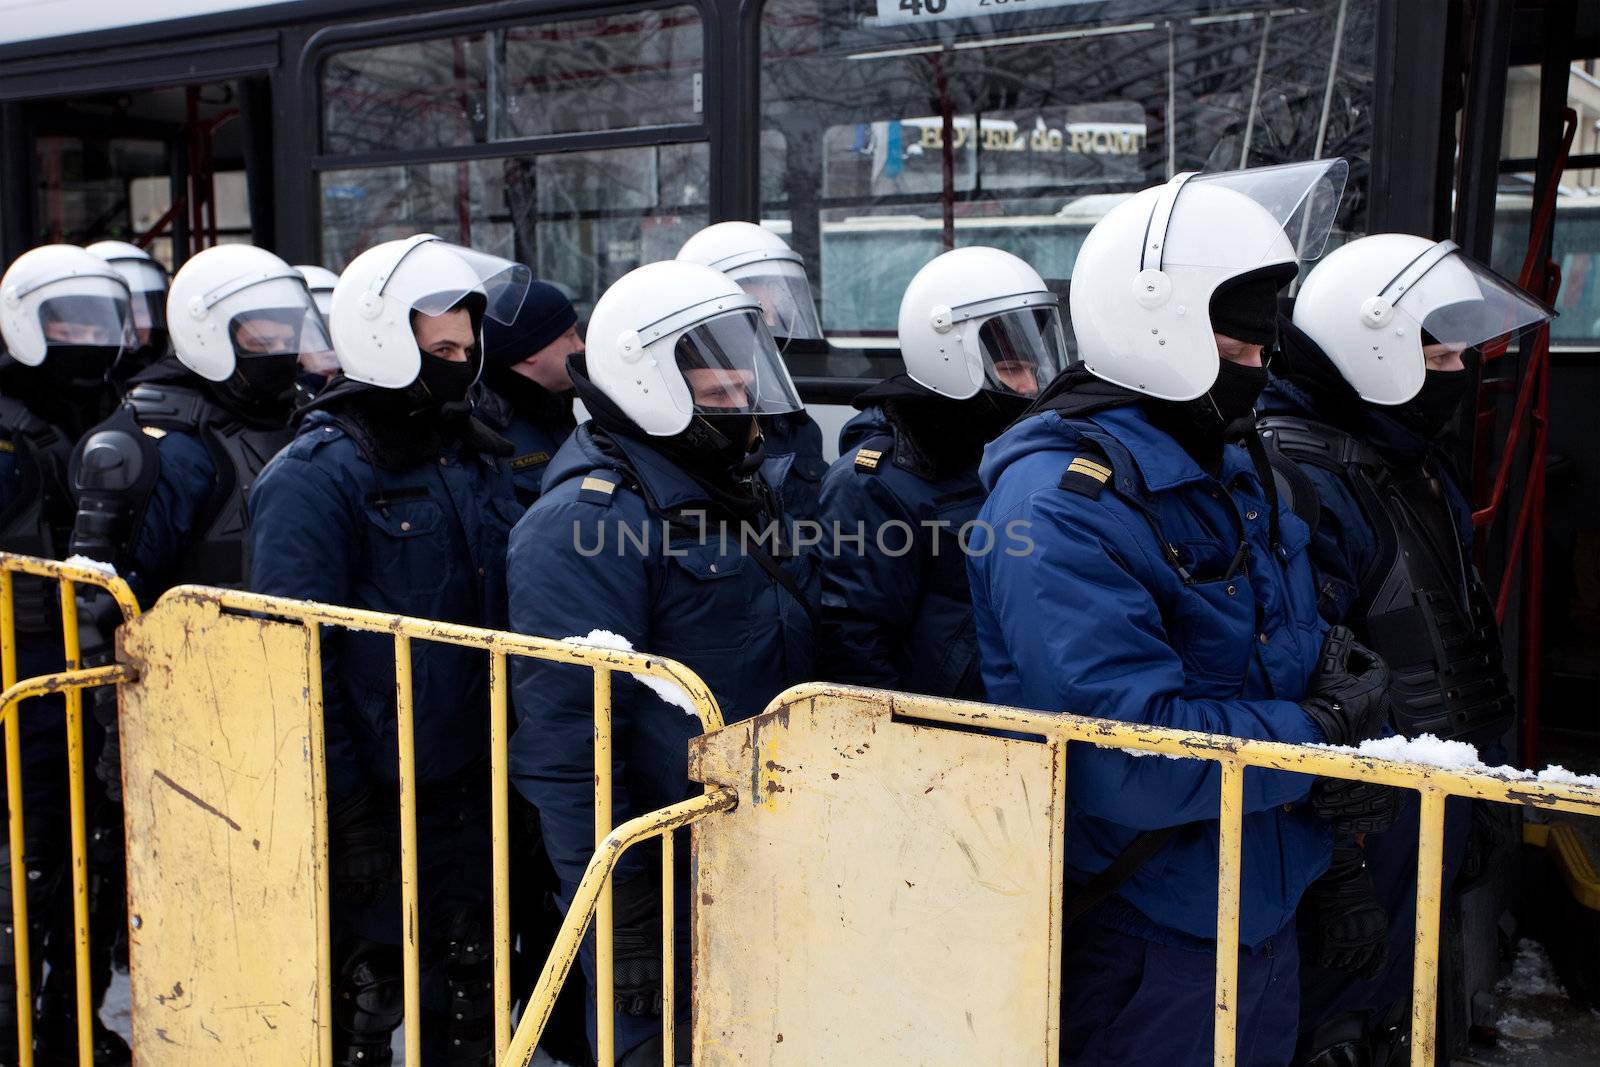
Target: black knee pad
(469, 983)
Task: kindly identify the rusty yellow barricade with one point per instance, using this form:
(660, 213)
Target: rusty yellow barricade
(850, 846)
(871, 886)
(72, 681)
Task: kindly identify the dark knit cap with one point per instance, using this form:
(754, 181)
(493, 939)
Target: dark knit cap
(546, 314)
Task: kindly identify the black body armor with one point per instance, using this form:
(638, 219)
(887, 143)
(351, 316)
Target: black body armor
(115, 469)
(1421, 604)
(39, 521)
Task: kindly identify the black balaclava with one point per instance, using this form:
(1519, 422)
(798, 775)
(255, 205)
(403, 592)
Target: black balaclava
(945, 436)
(1246, 309)
(1434, 408)
(69, 390)
(716, 451)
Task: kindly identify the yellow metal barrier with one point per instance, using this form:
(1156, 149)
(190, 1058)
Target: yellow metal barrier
(71, 682)
(769, 780)
(498, 646)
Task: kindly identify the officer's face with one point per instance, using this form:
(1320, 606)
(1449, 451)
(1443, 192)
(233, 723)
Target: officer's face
(548, 366)
(717, 389)
(76, 333)
(447, 336)
(1236, 351)
(265, 337)
(1018, 375)
(1444, 357)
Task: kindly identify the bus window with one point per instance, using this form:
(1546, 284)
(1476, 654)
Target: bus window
(609, 72)
(581, 214)
(580, 219)
(890, 134)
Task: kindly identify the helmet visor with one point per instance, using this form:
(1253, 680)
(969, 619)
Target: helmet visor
(1462, 303)
(502, 282)
(785, 297)
(1303, 197)
(142, 275)
(1022, 350)
(731, 366)
(274, 317)
(82, 319)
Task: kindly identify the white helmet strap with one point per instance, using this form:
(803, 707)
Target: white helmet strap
(1401, 283)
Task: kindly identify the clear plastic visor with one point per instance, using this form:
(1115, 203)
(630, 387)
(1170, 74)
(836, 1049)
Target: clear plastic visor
(731, 366)
(502, 282)
(1023, 350)
(1302, 197)
(141, 275)
(785, 297)
(82, 319)
(1463, 304)
(275, 317)
(150, 310)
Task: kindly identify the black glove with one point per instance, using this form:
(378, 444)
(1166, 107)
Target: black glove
(1342, 925)
(636, 970)
(362, 848)
(1348, 695)
(1355, 807)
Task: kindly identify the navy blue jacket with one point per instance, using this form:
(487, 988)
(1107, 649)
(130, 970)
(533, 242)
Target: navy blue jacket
(535, 427)
(1094, 619)
(329, 525)
(896, 609)
(183, 488)
(536, 446)
(794, 465)
(1345, 545)
(576, 565)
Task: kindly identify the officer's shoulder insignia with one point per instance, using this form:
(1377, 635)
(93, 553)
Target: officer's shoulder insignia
(598, 486)
(7, 445)
(1086, 476)
(532, 459)
(155, 432)
(867, 459)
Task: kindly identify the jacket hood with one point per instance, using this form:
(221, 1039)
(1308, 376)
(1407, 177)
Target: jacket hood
(1043, 432)
(664, 484)
(872, 422)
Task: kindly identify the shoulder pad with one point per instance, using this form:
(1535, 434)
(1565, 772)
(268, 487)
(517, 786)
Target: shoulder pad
(112, 460)
(1296, 491)
(1085, 475)
(599, 487)
(158, 406)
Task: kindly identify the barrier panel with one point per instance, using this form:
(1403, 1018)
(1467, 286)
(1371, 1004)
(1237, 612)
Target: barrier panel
(222, 748)
(70, 681)
(817, 931)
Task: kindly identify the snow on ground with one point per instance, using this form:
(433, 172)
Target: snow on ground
(667, 690)
(1538, 1026)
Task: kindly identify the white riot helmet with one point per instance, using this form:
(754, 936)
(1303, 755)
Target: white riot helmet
(1144, 278)
(1374, 303)
(765, 267)
(235, 302)
(370, 316)
(147, 282)
(62, 296)
(980, 318)
(320, 280)
(671, 340)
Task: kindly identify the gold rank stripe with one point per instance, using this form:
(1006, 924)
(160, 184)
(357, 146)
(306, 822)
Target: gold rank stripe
(1090, 468)
(599, 485)
(868, 458)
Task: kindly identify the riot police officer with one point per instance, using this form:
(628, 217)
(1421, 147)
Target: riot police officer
(1370, 380)
(147, 290)
(1166, 586)
(317, 368)
(641, 532)
(65, 319)
(394, 498)
(768, 269)
(527, 394)
(980, 335)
